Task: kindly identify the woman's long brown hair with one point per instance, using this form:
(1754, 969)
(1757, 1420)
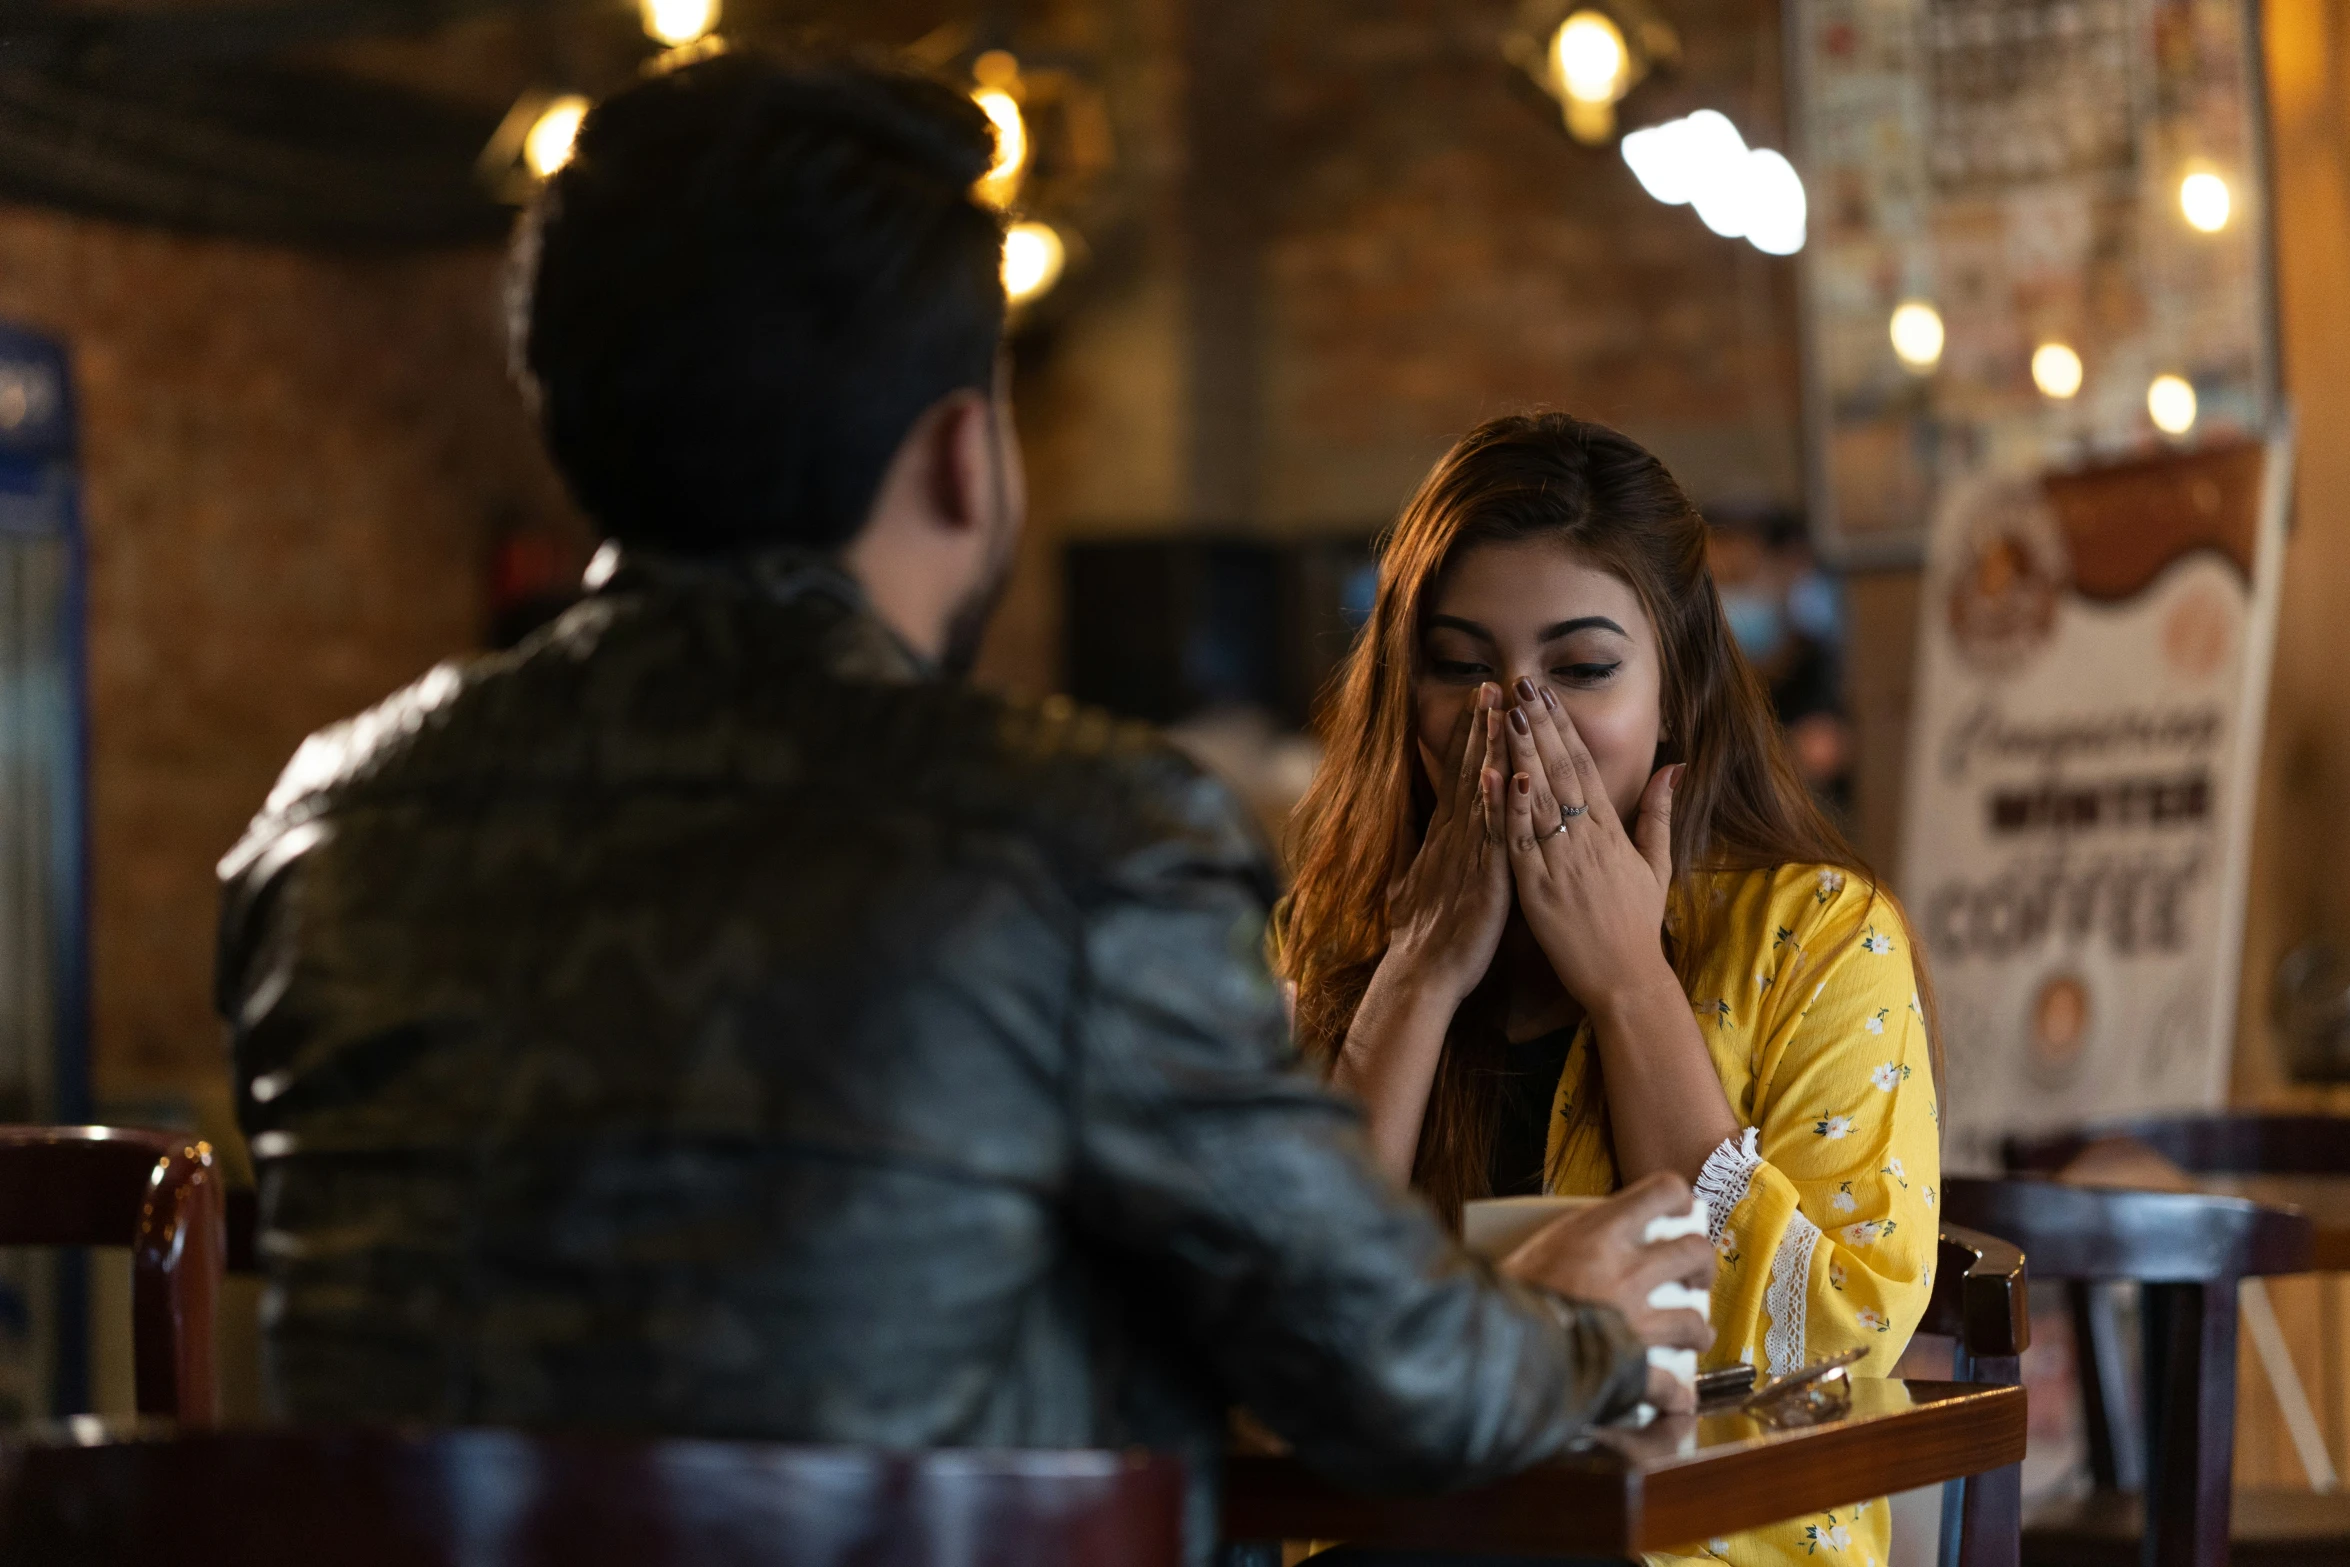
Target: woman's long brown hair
(1740, 806)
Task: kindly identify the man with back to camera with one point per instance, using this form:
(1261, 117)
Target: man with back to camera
(716, 1018)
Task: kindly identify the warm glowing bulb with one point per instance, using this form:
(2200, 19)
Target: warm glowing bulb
(1593, 64)
(1033, 258)
(1917, 334)
(1001, 182)
(678, 22)
(2205, 200)
(2056, 370)
(548, 146)
(2170, 402)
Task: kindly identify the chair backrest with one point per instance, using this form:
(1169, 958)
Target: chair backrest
(1979, 1298)
(1981, 1302)
(491, 1498)
(2101, 1233)
(2188, 1253)
(156, 1193)
(2206, 1144)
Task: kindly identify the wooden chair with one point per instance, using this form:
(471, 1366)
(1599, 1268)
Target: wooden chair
(2274, 1528)
(1980, 1302)
(154, 1192)
(492, 1498)
(2188, 1254)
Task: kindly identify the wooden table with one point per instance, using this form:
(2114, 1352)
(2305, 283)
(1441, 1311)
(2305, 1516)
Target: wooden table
(2324, 1198)
(1682, 1480)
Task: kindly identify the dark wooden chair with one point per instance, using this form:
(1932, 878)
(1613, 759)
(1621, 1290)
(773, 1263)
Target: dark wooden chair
(491, 1498)
(156, 1193)
(2273, 1528)
(1981, 1303)
(2188, 1254)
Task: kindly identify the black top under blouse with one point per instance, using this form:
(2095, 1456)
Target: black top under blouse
(1529, 1087)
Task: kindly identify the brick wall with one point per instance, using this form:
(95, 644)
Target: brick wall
(293, 467)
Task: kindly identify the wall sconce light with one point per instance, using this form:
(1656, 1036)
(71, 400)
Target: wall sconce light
(1587, 54)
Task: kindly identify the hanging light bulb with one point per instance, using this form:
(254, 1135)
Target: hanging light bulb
(548, 146)
(2205, 201)
(1034, 257)
(1776, 209)
(678, 22)
(1917, 335)
(2170, 403)
(2056, 370)
(1739, 192)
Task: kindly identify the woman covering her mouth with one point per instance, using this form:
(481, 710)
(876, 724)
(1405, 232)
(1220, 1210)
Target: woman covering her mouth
(1565, 915)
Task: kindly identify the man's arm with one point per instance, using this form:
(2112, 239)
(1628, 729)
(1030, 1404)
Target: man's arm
(1333, 1305)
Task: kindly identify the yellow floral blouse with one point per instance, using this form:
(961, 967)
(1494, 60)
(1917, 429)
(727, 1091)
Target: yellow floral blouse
(1824, 1208)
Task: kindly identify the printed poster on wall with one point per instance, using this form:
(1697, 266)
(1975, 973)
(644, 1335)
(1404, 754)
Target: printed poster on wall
(2093, 670)
(2039, 237)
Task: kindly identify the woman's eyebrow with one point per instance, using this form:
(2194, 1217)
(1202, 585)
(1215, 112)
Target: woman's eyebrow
(1456, 623)
(1567, 628)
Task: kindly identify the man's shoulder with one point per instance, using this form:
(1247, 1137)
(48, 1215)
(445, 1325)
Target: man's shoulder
(609, 699)
(1112, 797)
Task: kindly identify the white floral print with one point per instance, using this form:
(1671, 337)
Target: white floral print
(1889, 1076)
(1842, 1202)
(1865, 1233)
(1929, 1196)
(1873, 942)
(1875, 1025)
(1830, 883)
(1874, 1321)
(1834, 1127)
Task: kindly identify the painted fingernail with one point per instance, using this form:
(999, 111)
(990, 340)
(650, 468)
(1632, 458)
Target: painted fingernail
(1674, 782)
(1518, 720)
(1549, 701)
(1525, 689)
(1520, 782)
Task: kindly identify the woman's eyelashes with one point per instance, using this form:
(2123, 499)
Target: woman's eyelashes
(1459, 669)
(1585, 675)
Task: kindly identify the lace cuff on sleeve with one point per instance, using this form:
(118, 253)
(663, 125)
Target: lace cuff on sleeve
(1723, 1181)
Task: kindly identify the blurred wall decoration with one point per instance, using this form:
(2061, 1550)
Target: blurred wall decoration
(2040, 235)
(2094, 665)
(44, 1003)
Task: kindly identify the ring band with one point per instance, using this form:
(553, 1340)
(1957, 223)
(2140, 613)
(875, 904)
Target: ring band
(1567, 813)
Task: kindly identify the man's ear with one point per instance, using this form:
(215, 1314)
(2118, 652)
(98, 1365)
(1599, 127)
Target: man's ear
(959, 461)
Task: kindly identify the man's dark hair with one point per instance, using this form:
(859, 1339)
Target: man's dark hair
(752, 277)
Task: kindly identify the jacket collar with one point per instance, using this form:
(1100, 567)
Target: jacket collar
(856, 642)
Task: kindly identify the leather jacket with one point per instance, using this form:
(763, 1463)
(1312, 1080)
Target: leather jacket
(704, 1020)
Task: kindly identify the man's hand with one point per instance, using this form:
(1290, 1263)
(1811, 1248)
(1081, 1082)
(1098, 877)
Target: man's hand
(1596, 1254)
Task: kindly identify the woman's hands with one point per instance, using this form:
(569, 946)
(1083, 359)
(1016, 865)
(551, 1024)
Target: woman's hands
(1445, 917)
(1593, 895)
(1446, 911)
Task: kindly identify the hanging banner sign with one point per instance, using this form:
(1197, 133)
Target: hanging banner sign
(2093, 671)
